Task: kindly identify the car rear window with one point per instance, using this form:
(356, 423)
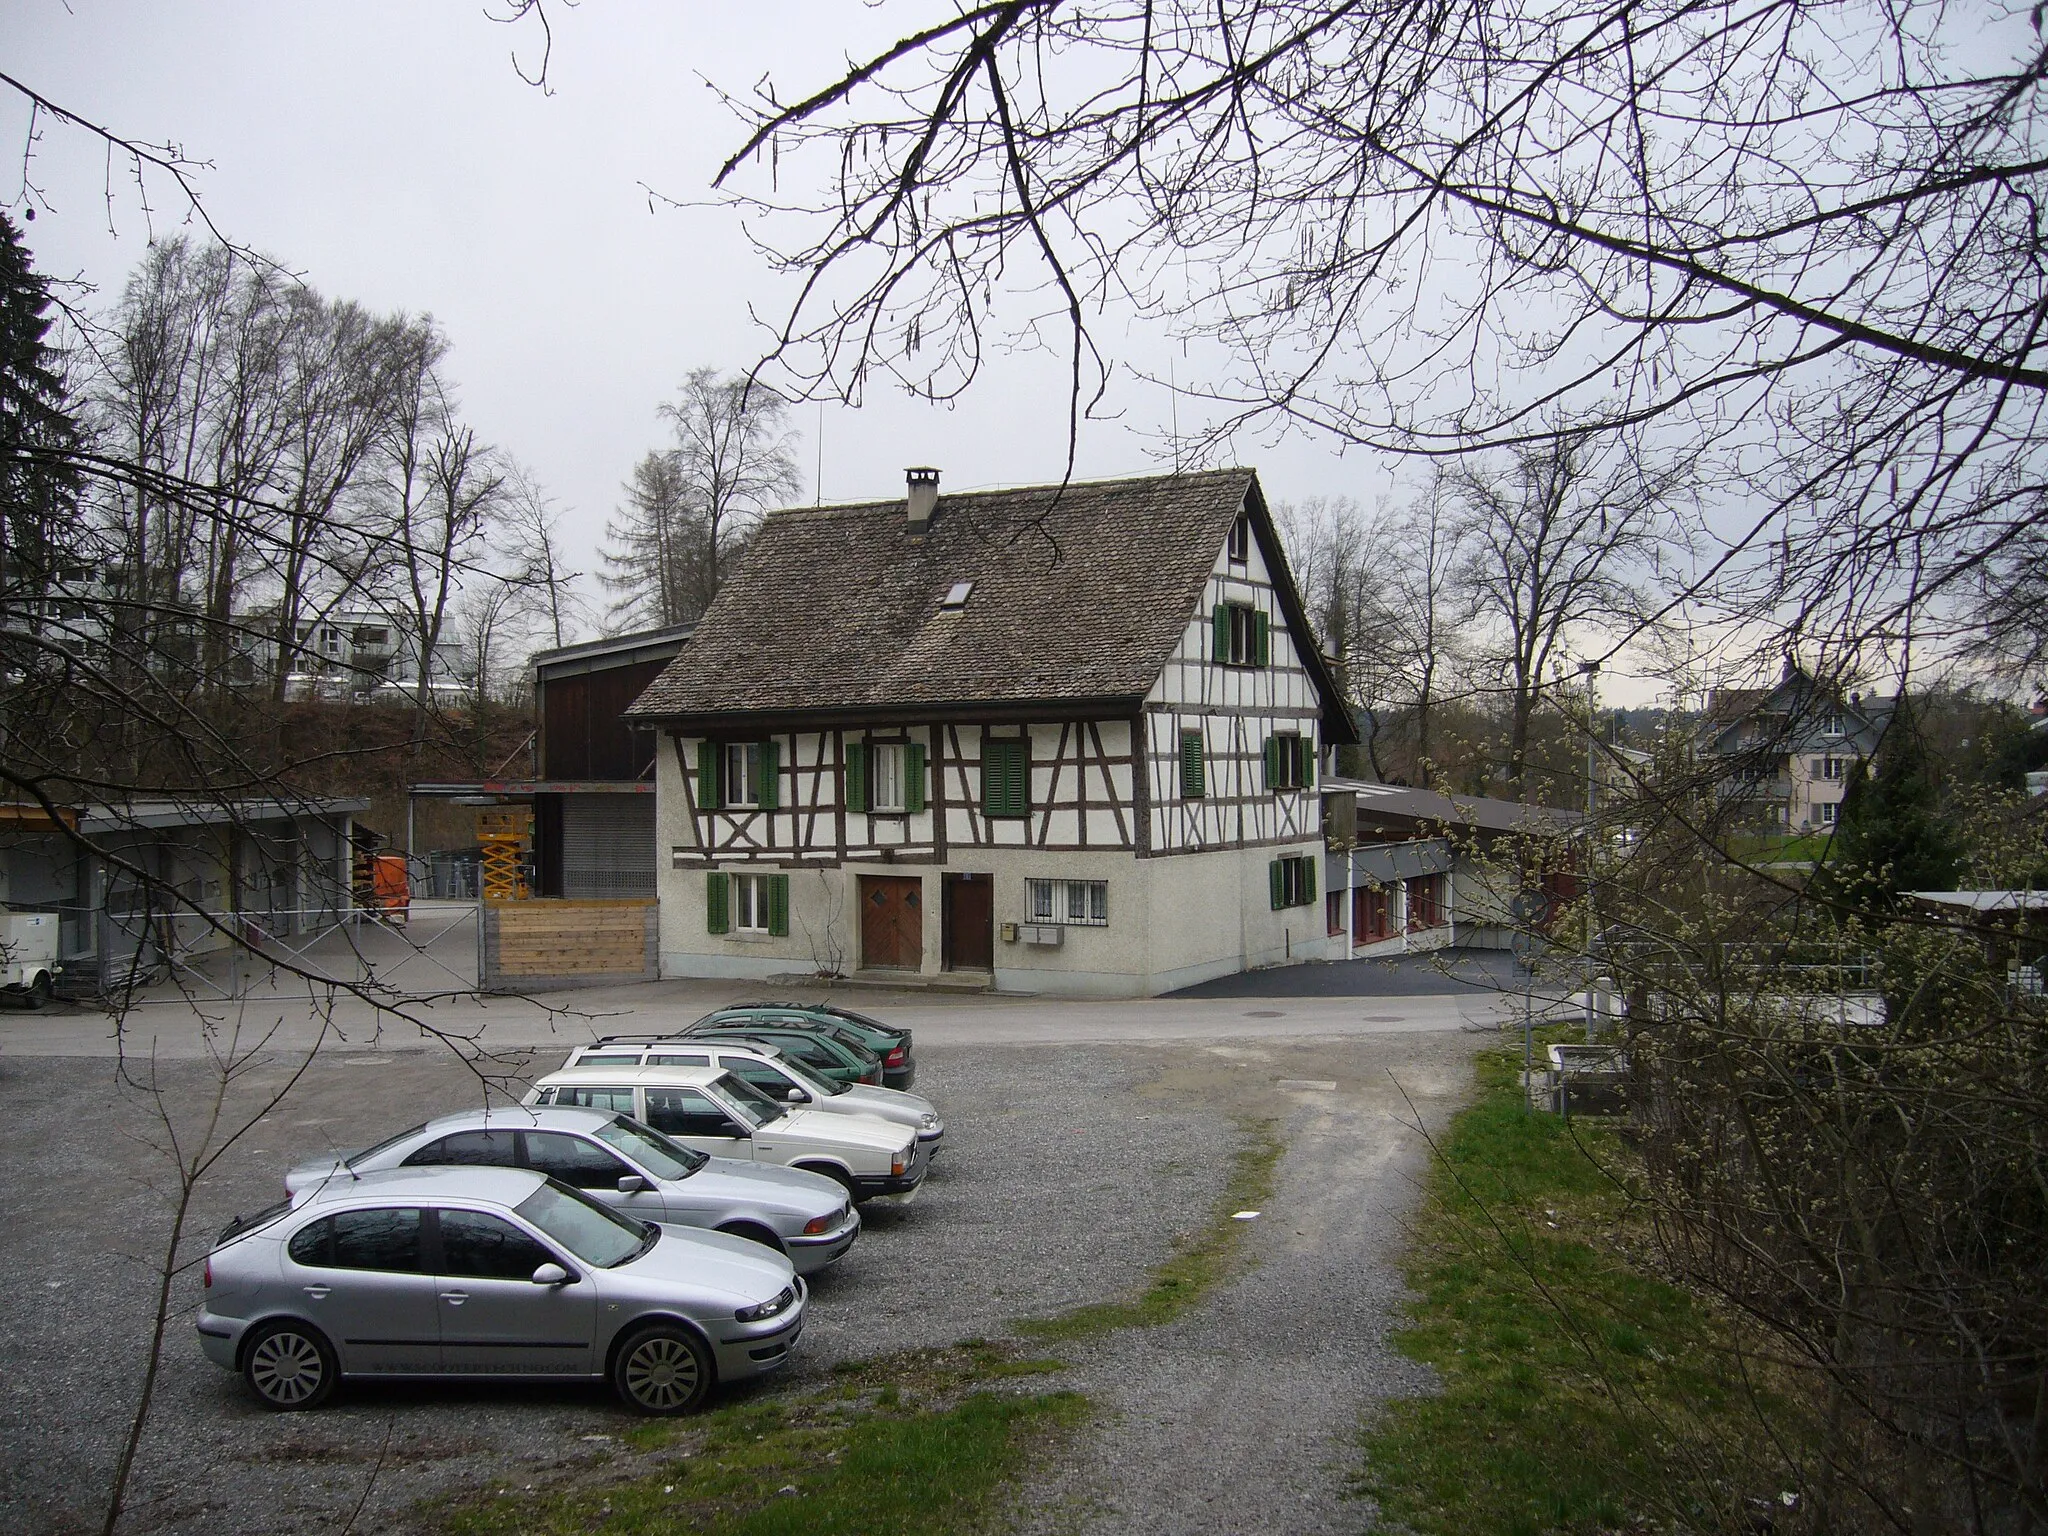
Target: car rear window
(385, 1145)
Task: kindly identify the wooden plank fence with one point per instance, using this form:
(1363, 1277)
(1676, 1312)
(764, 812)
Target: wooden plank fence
(540, 945)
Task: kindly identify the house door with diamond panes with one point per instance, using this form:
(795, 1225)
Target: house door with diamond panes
(891, 923)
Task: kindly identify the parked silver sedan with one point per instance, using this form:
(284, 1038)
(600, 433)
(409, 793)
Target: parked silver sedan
(632, 1169)
(498, 1272)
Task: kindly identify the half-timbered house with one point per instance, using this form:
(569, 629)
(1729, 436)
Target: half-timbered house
(1058, 739)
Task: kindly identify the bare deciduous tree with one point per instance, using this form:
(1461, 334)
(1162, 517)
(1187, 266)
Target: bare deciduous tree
(689, 508)
(1559, 538)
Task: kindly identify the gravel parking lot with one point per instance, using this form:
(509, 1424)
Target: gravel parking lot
(1062, 1181)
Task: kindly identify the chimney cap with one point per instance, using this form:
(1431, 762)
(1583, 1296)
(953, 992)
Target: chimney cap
(921, 473)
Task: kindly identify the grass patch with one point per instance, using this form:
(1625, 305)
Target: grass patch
(1197, 1262)
(916, 1444)
(1580, 1392)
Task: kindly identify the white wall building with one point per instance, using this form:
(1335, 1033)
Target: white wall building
(1058, 740)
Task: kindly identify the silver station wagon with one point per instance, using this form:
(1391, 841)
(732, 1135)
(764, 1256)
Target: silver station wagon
(775, 1073)
(628, 1167)
(490, 1272)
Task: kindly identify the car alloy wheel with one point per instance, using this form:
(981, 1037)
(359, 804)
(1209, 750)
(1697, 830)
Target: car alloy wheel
(289, 1367)
(663, 1370)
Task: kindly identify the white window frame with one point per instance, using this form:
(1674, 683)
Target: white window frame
(1826, 811)
(1834, 769)
(740, 767)
(1237, 548)
(887, 777)
(1067, 903)
(1831, 724)
(749, 903)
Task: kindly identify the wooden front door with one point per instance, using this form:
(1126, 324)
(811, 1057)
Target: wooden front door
(891, 922)
(969, 925)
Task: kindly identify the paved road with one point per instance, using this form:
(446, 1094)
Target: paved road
(1452, 972)
(178, 1029)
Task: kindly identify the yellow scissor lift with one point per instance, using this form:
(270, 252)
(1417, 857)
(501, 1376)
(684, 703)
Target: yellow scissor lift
(506, 838)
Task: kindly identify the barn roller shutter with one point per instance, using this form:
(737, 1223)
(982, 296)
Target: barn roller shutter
(607, 846)
(913, 777)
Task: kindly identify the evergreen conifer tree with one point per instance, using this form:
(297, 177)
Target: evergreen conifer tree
(1889, 835)
(39, 482)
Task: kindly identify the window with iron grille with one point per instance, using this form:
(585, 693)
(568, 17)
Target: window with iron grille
(1074, 903)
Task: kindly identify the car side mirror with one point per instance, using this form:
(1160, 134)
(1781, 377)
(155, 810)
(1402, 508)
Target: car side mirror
(794, 1096)
(631, 1184)
(551, 1274)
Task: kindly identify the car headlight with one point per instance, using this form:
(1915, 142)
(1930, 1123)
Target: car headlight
(772, 1308)
(900, 1163)
(819, 1224)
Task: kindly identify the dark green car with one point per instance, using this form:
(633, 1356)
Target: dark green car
(828, 1020)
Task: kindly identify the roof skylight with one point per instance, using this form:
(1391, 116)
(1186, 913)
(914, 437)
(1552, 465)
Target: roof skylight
(956, 595)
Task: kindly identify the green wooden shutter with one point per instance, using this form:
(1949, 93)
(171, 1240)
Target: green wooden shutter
(1194, 779)
(707, 776)
(1308, 882)
(1219, 625)
(717, 903)
(766, 792)
(994, 777)
(913, 777)
(1274, 776)
(1005, 777)
(778, 905)
(1262, 638)
(1306, 746)
(856, 776)
(1276, 877)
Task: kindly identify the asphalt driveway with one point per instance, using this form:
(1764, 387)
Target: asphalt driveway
(1069, 1170)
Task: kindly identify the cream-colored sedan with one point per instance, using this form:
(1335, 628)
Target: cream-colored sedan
(717, 1112)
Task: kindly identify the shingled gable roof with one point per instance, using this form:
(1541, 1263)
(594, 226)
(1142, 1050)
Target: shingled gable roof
(1080, 595)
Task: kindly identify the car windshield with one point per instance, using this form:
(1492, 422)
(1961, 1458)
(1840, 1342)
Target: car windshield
(761, 1109)
(807, 1077)
(653, 1151)
(594, 1234)
(356, 1159)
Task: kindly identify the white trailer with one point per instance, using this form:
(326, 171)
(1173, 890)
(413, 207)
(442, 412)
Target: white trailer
(28, 956)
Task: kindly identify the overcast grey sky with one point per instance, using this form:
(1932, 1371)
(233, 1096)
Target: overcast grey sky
(390, 153)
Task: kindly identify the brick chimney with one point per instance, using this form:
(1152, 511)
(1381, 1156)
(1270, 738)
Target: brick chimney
(923, 499)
